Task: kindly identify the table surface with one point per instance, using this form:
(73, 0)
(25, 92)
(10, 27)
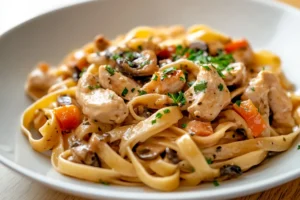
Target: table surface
(14, 186)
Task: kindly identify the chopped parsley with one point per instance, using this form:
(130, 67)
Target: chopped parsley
(253, 89)
(238, 102)
(154, 77)
(140, 48)
(169, 70)
(220, 87)
(220, 62)
(191, 83)
(158, 115)
(94, 87)
(110, 70)
(206, 67)
(129, 55)
(298, 147)
(142, 92)
(182, 79)
(216, 183)
(178, 98)
(103, 182)
(153, 121)
(209, 161)
(200, 86)
(124, 92)
(167, 111)
(133, 89)
(183, 125)
(181, 51)
(229, 69)
(220, 74)
(116, 56)
(82, 72)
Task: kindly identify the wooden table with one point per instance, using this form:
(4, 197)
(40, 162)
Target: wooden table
(14, 186)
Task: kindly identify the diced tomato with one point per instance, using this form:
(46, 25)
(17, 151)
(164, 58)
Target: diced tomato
(166, 53)
(199, 128)
(69, 116)
(253, 118)
(236, 45)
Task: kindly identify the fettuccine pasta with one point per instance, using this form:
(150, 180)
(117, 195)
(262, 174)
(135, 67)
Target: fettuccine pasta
(163, 107)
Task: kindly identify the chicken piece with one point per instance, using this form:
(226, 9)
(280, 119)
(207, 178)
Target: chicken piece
(244, 55)
(207, 96)
(120, 84)
(235, 74)
(101, 43)
(268, 95)
(167, 81)
(100, 104)
(40, 80)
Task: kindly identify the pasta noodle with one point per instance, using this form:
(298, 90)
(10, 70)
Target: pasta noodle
(163, 107)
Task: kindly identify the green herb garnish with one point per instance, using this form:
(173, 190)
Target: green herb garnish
(182, 79)
(167, 111)
(206, 67)
(110, 70)
(124, 92)
(169, 70)
(229, 69)
(115, 56)
(191, 83)
(147, 62)
(238, 102)
(200, 86)
(133, 89)
(298, 147)
(142, 92)
(153, 121)
(82, 72)
(129, 55)
(220, 87)
(140, 48)
(103, 182)
(253, 89)
(209, 161)
(158, 115)
(90, 87)
(183, 125)
(178, 98)
(94, 87)
(216, 183)
(154, 77)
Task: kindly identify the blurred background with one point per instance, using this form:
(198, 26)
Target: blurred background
(13, 12)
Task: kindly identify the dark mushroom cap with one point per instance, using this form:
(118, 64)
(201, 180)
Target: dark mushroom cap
(172, 155)
(149, 151)
(231, 171)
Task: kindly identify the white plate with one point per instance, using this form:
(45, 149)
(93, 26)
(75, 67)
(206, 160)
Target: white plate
(48, 37)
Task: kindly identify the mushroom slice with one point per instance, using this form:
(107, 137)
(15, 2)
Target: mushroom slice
(138, 64)
(162, 80)
(149, 151)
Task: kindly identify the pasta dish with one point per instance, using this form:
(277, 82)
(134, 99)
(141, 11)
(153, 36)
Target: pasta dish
(161, 106)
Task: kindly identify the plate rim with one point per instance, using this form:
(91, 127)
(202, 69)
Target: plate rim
(74, 189)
